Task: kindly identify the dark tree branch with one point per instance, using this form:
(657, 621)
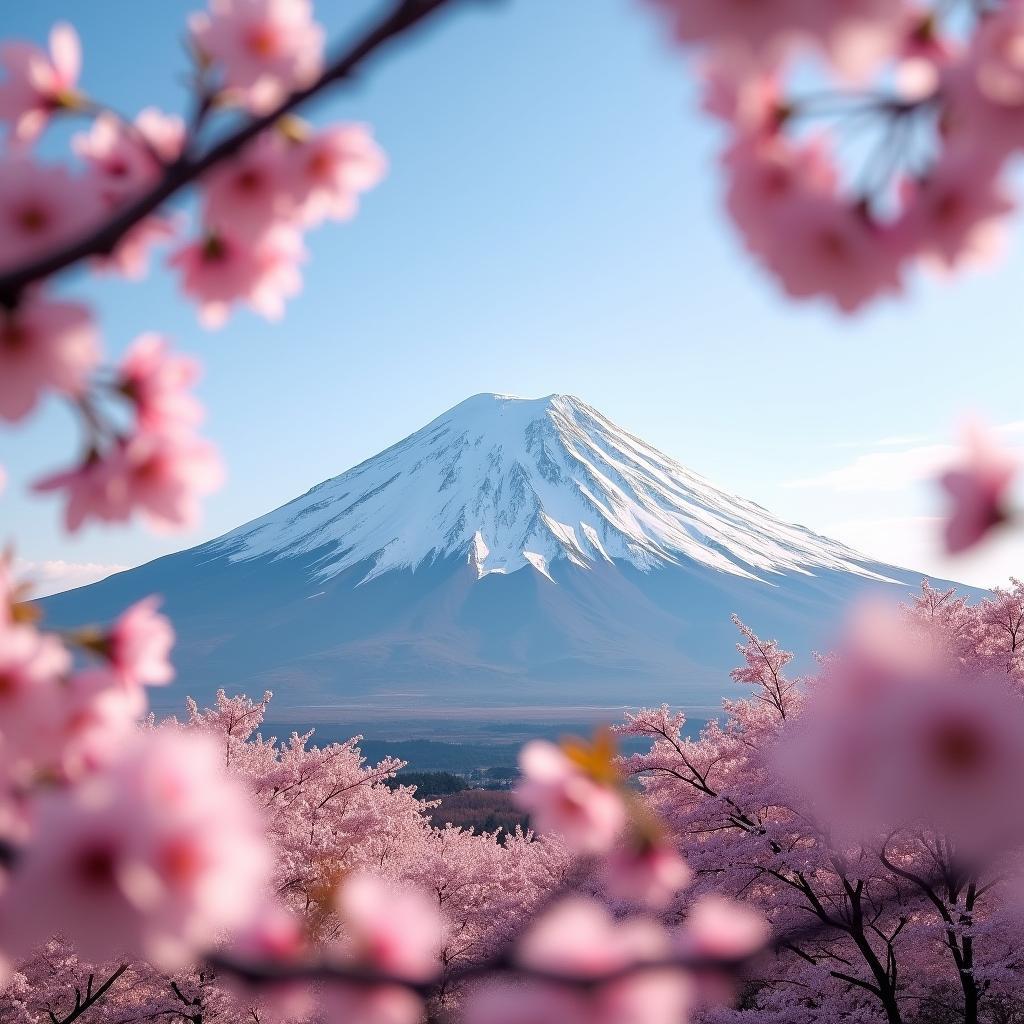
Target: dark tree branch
(91, 997)
(102, 240)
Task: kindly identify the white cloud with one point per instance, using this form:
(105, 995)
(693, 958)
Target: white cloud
(914, 542)
(55, 575)
(896, 441)
(897, 470)
(883, 471)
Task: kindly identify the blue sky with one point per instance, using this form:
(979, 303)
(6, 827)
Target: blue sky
(551, 223)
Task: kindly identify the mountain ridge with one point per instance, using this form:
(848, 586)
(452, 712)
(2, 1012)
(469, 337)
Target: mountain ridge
(510, 553)
(515, 483)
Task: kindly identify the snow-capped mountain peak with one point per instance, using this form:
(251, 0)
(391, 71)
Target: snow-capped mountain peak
(507, 483)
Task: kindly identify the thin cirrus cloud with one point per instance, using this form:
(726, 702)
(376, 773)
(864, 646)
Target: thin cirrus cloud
(896, 441)
(52, 576)
(896, 470)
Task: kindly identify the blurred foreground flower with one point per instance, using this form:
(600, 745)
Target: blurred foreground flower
(579, 939)
(37, 83)
(894, 736)
(574, 791)
(390, 931)
(977, 489)
(153, 857)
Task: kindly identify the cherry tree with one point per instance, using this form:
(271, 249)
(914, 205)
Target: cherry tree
(902, 918)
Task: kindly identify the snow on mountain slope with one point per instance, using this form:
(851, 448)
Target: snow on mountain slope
(508, 483)
(510, 555)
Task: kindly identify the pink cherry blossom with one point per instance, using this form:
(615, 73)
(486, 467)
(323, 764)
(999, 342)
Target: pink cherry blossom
(767, 31)
(158, 381)
(957, 214)
(139, 644)
(720, 929)
(93, 491)
(159, 475)
(985, 91)
(130, 257)
(815, 242)
(277, 936)
(32, 665)
(977, 489)
(724, 929)
(577, 938)
(36, 83)
(395, 932)
(752, 105)
(767, 174)
(923, 54)
(329, 169)
(248, 196)
(44, 344)
(894, 736)
(562, 799)
(127, 158)
(748, 36)
(220, 270)
(647, 873)
(264, 49)
(41, 207)
(153, 857)
(95, 715)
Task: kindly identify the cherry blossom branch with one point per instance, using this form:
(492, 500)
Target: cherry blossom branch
(269, 972)
(103, 239)
(263, 972)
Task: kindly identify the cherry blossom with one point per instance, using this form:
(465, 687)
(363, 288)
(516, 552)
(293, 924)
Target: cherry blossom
(159, 475)
(138, 645)
(157, 381)
(41, 206)
(220, 270)
(152, 857)
(329, 169)
(130, 256)
(587, 813)
(579, 939)
(263, 48)
(127, 158)
(814, 241)
(646, 873)
(32, 665)
(124, 159)
(720, 929)
(93, 716)
(393, 932)
(44, 344)
(985, 91)
(977, 489)
(275, 935)
(36, 84)
(895, 737)
(855, 33)
(248, 197)
(724, 929)
(956, 215)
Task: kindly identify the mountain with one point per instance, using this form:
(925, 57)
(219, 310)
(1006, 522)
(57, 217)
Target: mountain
(511, 554)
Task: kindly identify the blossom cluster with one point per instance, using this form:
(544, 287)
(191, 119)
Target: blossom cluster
(247, 245)
(940, 84)
(122, 842)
